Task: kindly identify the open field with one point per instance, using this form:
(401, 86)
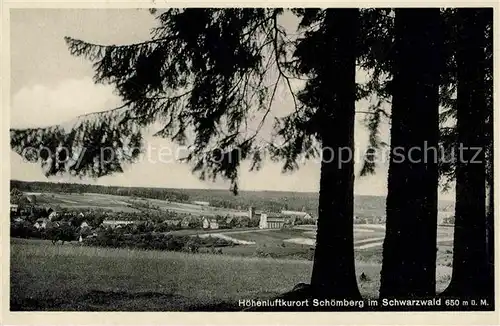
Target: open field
(193, 209)
(73, 277)
(365, 236)
(70, 277)
(86, 201)
(128, 204)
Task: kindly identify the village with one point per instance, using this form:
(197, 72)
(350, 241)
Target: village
(41, 211)
(26, 211)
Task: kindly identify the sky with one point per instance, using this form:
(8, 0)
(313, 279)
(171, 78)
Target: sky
(49, 86)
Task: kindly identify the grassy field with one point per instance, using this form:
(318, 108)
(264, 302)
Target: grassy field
(86, 201)
(126, 204)
(363, 235)
(72, 277)
(193, 209)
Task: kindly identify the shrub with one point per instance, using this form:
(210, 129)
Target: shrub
(63, 232)
(304, 221)
(193, 245)
(24, 230)
(120, 237)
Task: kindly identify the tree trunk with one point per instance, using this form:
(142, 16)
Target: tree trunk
(409, 250)
(470, 261)
(333, 273)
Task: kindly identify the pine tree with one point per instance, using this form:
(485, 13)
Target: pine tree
(471, 273)
(448, 102)
(328, 55)
(409, 250)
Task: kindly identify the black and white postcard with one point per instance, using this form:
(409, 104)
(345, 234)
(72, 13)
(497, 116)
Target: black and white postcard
(183, 158)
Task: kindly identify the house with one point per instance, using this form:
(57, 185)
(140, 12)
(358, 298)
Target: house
(210, 223)
(172, 222)
(51, 224)
(26, 210)
(41, 223)
(52, 215)
(84, 225)
(272, 221)
(205, 223)
(201, 203)
(19, 220)
(14, 208)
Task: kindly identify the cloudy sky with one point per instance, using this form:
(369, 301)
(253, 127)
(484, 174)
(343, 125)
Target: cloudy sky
(49, 86)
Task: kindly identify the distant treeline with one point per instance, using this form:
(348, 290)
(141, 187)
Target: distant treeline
(153, 193)
(271, 201)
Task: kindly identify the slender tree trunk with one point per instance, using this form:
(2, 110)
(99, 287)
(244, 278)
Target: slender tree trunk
(470, 260)
(333, 270)
(409, 250)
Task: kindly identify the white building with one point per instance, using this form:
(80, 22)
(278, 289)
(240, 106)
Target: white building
(251, 212)
(41, 223)
(52, 215)
(14, 208)
(271, 221)
(210, 223)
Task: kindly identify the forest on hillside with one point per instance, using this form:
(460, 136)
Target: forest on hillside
(274, 201)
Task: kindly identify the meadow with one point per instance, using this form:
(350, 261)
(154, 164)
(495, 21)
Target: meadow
(70, 277)
(86, 201)
(128, 204)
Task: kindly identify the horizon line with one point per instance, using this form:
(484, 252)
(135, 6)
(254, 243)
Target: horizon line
(200, 189)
